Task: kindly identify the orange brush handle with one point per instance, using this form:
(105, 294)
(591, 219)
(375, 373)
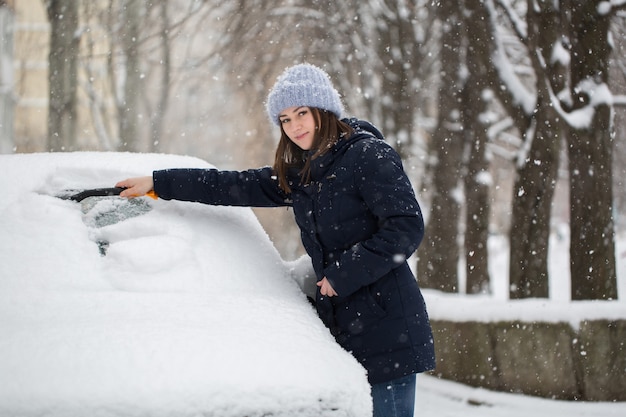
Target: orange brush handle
(152, 194)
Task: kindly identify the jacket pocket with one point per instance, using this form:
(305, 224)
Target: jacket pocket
(358, 313)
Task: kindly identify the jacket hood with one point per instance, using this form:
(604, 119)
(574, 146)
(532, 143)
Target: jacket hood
(362, 130)
(320, 166)
(363, 126)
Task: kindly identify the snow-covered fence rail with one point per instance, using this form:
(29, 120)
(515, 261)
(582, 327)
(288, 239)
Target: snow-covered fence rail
(546, 359)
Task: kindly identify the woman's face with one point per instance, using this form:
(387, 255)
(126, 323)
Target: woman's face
(298, 124)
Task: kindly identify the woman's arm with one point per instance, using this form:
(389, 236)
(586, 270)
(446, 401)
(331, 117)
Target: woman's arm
(251, 188)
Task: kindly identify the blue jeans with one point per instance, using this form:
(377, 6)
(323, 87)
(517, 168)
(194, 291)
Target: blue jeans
(394, 398)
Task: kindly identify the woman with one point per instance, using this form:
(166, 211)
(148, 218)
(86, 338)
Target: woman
(359, 222)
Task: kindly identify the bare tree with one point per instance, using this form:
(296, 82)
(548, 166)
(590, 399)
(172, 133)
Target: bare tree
(157, 115)
(592, 247)
(128, 106)
(477, 96)
(398, 56)
(129, 47)
(62, 74)
(538, 161)
(439, 259)
(7, 99)
(552, 29)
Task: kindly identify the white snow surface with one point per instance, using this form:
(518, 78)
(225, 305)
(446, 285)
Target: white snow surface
(192, 312)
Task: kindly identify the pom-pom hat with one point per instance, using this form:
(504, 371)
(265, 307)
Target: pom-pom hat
(303, 85)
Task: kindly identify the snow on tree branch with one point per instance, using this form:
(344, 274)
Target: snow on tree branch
(599, 94)
(506, 70)
(520, 26)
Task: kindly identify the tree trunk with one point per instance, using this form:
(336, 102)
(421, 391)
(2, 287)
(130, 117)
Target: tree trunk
(537, 172)
(592, 246)
(62, 75)
(439, 259)
(129, 106)
(397, 53)
(477, 183)
(158, 116)
(7, 97)
(478, 178)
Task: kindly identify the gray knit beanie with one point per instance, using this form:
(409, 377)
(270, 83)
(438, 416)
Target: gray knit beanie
(303, 85)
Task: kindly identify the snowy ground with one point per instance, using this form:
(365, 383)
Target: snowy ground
(135, 332)
(440, 398)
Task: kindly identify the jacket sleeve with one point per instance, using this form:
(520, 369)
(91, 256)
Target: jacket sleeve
(388, 194)
(252, 188)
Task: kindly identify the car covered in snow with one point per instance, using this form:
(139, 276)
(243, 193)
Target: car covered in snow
(116, 307)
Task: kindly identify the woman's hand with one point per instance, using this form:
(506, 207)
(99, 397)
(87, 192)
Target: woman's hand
(325, 288)
(136, 187)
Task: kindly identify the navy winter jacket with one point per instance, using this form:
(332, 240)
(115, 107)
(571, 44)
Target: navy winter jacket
(359, 222)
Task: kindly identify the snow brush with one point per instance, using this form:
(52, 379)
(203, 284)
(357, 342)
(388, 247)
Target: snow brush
(96, 216)
(100, 192)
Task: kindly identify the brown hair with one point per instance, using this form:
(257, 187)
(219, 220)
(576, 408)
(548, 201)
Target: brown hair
(329, 129)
